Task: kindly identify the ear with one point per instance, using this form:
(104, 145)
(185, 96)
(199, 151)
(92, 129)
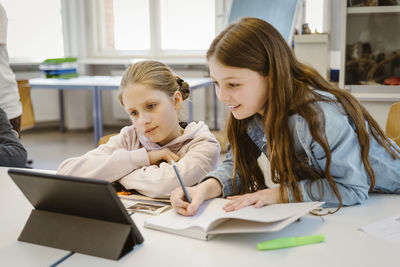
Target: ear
(177, 100)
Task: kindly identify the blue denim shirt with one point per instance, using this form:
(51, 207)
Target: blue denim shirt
(347, 168)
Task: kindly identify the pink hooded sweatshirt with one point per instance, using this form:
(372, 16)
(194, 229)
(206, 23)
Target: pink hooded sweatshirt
(124, 159)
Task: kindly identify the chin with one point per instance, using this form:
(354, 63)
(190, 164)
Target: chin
(157, 140)
(241, 116)
(152, 138)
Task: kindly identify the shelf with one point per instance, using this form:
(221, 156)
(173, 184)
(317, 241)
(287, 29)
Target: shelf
(375, 97)
(381, 88)
(375, 93)
(373, 9)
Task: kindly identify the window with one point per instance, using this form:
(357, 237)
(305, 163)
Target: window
(153, 28)
(187, 25)
(34, 29)
(120, 17)
(314, 15)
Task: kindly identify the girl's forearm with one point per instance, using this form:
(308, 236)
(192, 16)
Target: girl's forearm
(211, 188)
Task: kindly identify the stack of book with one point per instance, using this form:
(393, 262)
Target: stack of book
(62, 68)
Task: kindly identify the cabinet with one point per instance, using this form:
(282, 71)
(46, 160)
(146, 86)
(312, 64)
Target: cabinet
(370, 47)
(313, 49)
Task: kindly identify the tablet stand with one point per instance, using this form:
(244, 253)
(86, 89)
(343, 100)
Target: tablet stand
(79, 234)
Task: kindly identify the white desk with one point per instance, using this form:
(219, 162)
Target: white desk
(344, 245)
(15, 210)
(97, 84)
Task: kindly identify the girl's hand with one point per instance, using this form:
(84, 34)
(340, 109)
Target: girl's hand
(259, 199)
(164, 154)
(180, 204)
(208, 189)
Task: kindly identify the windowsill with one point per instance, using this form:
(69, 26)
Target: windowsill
(119, 61)
(14, 62)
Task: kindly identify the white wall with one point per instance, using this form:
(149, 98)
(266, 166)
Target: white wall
(379, 110)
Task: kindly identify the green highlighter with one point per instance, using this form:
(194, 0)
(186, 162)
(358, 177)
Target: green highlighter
(289, 242)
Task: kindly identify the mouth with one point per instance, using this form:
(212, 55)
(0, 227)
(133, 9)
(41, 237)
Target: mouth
(150, 130)
(233, 107)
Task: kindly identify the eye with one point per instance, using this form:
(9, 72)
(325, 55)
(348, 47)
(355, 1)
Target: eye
(233, 85)
(134, 113)
(151, 106)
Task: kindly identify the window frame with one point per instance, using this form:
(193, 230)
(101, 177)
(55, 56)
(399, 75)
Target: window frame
(96, 37)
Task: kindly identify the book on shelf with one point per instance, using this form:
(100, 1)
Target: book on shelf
(211, 219)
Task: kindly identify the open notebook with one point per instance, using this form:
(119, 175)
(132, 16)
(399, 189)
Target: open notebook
(211, 219)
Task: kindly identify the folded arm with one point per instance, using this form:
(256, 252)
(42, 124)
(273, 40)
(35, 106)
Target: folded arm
(109, 162)
(160, 180)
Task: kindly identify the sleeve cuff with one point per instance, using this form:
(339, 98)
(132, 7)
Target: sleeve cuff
(227, 185)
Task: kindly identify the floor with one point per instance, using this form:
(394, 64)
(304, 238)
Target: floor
(48, 147)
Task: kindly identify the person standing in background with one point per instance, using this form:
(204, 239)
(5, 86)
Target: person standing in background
(9, 96)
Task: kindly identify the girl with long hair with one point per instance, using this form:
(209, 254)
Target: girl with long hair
(322, 144)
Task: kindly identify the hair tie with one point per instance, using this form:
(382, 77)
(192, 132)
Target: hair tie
(179, 81)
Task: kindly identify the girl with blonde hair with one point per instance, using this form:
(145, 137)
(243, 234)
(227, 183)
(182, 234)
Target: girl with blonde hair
(138, 158)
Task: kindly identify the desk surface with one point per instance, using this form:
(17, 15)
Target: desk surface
(15, 210)
(345, 245)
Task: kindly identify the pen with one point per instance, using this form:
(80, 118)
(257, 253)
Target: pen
(289, 242)
(181, 182)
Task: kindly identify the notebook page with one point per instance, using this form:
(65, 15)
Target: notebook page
(207, 212)
(269, 213)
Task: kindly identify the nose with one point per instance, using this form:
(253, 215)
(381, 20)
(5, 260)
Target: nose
(222, 94)
(144, 118)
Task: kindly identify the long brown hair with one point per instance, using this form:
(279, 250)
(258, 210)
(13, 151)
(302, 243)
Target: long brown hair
(256, 45)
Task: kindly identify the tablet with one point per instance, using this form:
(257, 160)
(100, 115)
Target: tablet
(91, 199)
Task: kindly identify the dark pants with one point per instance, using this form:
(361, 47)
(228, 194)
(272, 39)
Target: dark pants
(16, 124)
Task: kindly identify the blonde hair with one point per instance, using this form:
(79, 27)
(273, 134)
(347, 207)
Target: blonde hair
(155, 75)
